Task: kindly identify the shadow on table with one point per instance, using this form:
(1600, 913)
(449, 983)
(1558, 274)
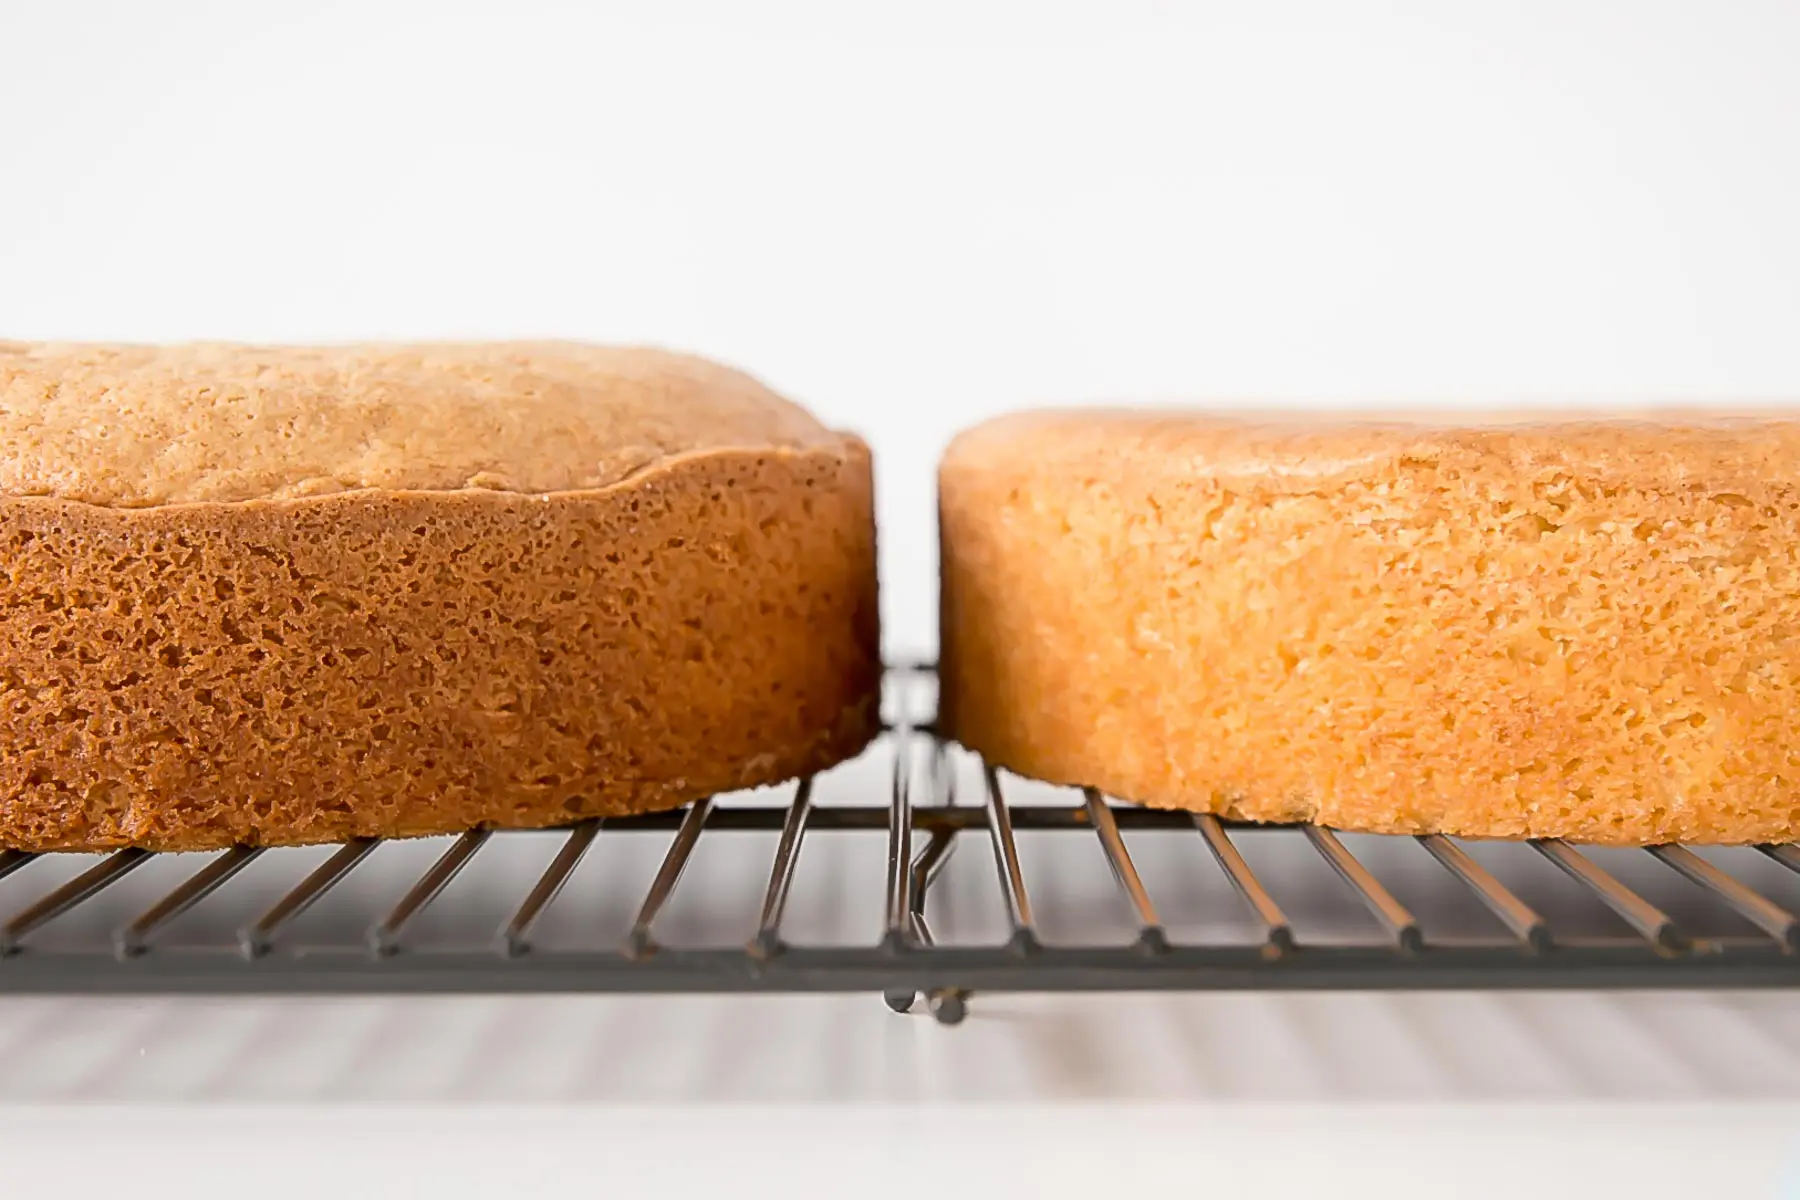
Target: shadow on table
(1284, 1048)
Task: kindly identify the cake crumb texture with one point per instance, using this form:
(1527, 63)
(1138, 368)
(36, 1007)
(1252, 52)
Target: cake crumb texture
(396, 660)
(1582, 629)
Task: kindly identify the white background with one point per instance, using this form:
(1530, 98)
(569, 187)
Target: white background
(912, 215)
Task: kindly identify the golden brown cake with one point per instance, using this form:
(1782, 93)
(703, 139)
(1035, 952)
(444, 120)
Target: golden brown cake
(280, 595)
(1585, 630)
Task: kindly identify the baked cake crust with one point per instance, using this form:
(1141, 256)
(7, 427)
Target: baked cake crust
(137, 425)
(1584, 630)
(195, 653)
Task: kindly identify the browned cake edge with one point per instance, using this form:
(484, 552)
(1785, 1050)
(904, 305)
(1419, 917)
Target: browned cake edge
(388, 664)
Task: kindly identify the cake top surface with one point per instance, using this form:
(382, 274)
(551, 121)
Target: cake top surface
(1301, 451)
(143, 425)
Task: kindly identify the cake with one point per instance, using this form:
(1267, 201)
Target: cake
(269, 595)
(1557, 629)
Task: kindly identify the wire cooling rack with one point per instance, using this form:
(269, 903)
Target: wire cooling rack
(883, 907)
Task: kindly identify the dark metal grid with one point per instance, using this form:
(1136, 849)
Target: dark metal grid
(907, 961)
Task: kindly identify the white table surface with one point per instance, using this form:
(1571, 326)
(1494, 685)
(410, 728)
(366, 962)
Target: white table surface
(1466, 1094)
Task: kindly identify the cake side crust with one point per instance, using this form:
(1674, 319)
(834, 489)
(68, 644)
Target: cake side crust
(390, 663)
(1583, 633)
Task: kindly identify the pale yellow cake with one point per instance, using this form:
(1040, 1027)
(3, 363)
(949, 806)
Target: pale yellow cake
(1581, 629)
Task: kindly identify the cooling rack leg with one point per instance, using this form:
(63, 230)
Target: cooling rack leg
(925, 870)
(949, 1005)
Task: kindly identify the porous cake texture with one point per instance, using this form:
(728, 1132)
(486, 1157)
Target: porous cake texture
(1587, 630)
(265, 595)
